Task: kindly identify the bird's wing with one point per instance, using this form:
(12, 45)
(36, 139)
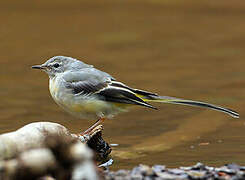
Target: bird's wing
(85, 82)
(85, 87)
(102, 86)
(124, 95)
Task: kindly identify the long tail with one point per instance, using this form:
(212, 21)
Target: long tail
(172, 100)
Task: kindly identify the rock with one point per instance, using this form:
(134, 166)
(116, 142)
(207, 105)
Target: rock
(48, 150)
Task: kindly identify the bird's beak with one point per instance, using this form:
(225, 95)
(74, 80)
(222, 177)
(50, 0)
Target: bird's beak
(39, 67)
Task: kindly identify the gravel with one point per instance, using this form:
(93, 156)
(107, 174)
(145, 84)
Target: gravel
(159, 172)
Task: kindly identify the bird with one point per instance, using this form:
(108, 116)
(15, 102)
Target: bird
(89, 93)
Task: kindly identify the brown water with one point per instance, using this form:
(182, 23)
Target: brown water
(193, 50)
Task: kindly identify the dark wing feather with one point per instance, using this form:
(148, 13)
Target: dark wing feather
(122, 95)
(85, 87)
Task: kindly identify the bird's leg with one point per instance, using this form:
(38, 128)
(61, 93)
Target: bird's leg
(98, 122)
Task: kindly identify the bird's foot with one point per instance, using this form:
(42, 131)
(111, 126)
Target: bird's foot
(93, 127)
(86, 137)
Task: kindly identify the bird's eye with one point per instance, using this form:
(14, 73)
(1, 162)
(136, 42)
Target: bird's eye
(56, 65)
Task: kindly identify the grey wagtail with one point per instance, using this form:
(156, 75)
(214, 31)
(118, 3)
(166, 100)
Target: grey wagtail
(87, 92)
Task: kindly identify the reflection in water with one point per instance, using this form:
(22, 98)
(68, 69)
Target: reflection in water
(192, 50)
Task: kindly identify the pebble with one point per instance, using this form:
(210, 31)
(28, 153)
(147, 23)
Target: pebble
(160, 172)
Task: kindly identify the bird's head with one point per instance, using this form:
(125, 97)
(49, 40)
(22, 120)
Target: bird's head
(61, 64)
